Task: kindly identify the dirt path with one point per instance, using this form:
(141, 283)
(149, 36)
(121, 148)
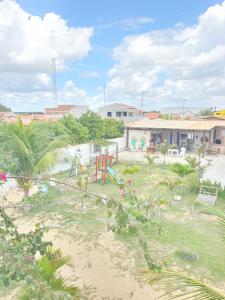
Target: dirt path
(102, 264)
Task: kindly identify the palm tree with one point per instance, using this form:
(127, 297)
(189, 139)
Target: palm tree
(192, 161)
(171, 183)
(31, 148)
(151, 161)
(54, 284)
(181, 169)
(180, 286)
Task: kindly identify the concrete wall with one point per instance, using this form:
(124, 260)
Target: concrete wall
(166, 134)
(86, 153)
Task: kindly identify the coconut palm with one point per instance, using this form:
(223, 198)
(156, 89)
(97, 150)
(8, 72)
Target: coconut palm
(31, 148)
(181, 169)
(151, 161)
(177, 285)
(53, 284)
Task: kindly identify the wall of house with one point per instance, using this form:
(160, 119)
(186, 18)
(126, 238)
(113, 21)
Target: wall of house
(131, 113)
(138, 135)
(166, 134)
(220, 133)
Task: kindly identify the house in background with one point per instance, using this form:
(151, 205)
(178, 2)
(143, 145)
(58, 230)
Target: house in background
(181, 113)
(191, 134)
(152, 115)
(68, 109)
(120, 111)
(220, 113)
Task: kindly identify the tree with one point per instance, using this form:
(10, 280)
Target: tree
(151, 162)
(207, 111)
(73, 130)
(163, 149)
(181, 169)
(4, 108)
(94, 123)
(19, 263)
(113, 128)
(30, 148)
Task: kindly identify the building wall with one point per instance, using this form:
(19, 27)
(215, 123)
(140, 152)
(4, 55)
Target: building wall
(103, 111)
(166, 134)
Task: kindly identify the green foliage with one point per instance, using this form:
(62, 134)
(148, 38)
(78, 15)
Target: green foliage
(207, 111)
(94, 123)
(171, 183)
(113, 128)
(71, 128)
(151, 161)
(31, 150)
(48, 267)
(163, 149)
(18, 250)
(180, 286)
(176, 285)
(4, 108)
(193, 162)
(181, 169)
(131, 170)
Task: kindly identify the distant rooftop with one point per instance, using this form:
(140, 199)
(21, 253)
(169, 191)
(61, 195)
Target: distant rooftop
(176, 124)
(118, 106)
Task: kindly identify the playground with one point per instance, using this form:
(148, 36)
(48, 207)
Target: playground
(185, 235)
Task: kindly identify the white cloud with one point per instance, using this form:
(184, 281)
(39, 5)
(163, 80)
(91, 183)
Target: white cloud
(89, 74)
(39, 99)
(178, 63)
(128, 23)
(28, 43)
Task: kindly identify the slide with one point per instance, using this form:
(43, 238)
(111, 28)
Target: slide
(114, 175)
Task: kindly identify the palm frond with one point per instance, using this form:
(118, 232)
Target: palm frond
(58, 283)
(176, 285)
(46, 162)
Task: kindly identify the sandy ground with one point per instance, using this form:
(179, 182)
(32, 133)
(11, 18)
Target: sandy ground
(139, 156)
(102, 265)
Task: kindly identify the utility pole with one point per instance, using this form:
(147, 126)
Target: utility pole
(54, 88)
(142, 102)
(104, 93)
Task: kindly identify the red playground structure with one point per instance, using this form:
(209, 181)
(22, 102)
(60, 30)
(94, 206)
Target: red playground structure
(102, 162)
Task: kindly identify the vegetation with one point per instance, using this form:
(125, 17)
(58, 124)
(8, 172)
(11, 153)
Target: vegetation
(73, 130)
(4, 108)
(151, 161)
(207, 111)
(163, 149)
(31, 151)
(181, 169)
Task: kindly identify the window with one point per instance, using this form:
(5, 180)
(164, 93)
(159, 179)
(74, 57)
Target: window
(97, 148)
(130, 114)
(118, 114)
(183, 136)
(125, 113)
(109, 114)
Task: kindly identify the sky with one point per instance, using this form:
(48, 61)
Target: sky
(173, 51)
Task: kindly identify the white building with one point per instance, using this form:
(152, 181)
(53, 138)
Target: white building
(75, 110)
(189, 134)
(120, 111)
